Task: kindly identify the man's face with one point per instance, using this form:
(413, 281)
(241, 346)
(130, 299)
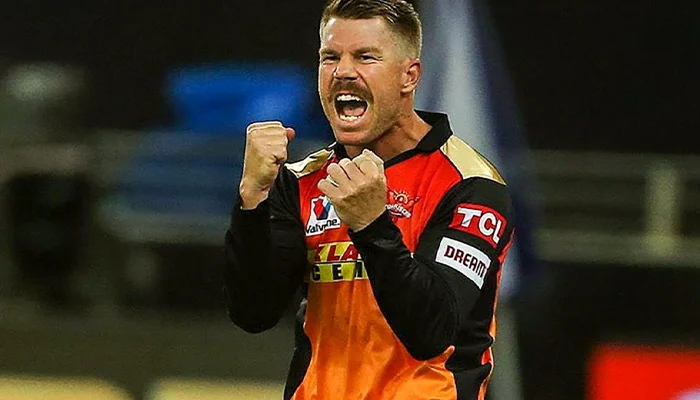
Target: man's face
(360, 79)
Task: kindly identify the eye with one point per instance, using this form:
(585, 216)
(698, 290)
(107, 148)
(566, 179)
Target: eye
(367, 57)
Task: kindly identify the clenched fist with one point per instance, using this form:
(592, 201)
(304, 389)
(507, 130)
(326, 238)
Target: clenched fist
(265, 151)
(357, 189)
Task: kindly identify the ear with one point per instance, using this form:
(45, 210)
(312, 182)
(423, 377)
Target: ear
(412, 74)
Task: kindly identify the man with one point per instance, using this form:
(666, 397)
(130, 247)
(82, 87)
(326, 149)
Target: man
(395, 234)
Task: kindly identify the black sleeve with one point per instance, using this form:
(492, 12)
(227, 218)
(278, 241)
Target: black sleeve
(427, 297)
(265, 257)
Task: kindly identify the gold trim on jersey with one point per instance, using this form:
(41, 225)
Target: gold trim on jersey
(310, 164)
(468, 161)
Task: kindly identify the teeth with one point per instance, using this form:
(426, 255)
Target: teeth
(349, 118)
(348, 97)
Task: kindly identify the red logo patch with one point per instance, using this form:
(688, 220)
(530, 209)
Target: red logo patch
(480, 221)
(401, 204)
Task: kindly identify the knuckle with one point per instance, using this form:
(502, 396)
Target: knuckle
(265, 129)
(279, 151)
(368, 167)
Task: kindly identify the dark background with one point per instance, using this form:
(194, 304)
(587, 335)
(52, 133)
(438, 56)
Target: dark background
(588, 75)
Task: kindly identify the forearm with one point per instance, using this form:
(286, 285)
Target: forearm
(416, 300)
(264, 268)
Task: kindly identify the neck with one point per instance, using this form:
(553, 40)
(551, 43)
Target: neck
(404, 135)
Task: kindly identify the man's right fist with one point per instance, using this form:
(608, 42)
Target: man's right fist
(265, 152)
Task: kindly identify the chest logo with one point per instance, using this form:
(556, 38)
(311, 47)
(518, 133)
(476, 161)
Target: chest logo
(322, 217)
(401, 204)
(335, 262)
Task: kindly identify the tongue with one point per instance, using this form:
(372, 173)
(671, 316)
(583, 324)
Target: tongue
(354, 108)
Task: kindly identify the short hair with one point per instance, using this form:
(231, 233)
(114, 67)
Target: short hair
(400, 15)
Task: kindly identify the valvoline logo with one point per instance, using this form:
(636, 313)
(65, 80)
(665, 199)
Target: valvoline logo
(322, 217)
(321, 207)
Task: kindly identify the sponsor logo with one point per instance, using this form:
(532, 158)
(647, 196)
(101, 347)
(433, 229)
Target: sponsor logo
(468, 260)
(480, 221)
(401, 204)
(336, 262)
(322, 217)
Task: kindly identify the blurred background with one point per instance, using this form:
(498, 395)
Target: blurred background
(121, 136)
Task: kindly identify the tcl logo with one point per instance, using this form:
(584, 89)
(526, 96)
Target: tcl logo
(480, 221)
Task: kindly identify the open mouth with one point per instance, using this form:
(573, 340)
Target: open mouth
(350, 107)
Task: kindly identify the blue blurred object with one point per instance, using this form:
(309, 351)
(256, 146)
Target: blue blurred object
(226, 98)
(180, 173)
(193, 167)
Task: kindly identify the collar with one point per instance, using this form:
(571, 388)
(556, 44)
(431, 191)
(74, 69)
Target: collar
(438, 134)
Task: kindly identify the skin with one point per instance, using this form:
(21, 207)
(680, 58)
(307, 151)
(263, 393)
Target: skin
(359, 191)
(367, 59)
(265, 152)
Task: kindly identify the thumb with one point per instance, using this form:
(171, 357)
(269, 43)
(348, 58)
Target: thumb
(375, 158)
(290, 133)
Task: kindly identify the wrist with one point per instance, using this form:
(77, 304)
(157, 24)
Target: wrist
(252, 196)
(362, 226)
(378, 233)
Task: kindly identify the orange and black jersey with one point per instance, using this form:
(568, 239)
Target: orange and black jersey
(403, 309)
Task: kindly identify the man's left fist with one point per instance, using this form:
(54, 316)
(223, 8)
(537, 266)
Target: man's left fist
(357, 189)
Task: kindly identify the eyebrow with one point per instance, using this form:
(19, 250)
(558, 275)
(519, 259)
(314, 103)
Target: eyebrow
(361, 50)
(326, 51)
(369, 49)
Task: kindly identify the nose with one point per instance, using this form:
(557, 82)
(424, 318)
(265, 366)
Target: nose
(345, 69)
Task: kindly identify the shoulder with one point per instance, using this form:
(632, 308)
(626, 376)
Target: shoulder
(477, 183)
(468, 162)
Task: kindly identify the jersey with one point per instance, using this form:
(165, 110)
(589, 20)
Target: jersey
(402, 309)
